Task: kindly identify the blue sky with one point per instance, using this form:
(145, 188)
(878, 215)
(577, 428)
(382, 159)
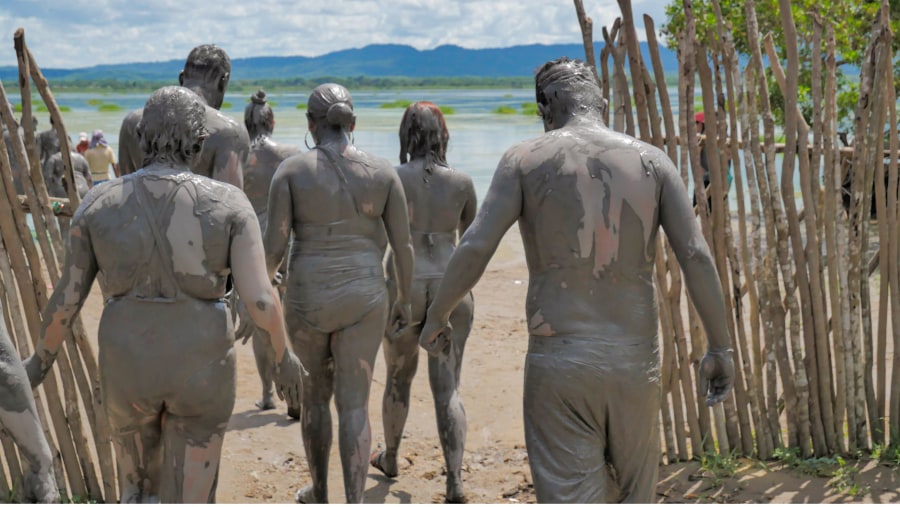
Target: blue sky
(82, 33)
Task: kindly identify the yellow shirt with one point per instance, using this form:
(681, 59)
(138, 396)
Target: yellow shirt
(100, 158)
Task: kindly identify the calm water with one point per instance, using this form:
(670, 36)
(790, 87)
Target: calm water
(478, 137)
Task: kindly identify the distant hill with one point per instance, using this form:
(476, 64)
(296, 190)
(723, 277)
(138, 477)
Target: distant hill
(378, 60)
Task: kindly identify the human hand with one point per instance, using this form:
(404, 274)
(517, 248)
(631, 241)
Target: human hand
(289, 375)
(716, 375)
(435, 337)
(35, 369)
(399, 320)
(246, 327)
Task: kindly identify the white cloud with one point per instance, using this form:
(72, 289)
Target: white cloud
(80, 33)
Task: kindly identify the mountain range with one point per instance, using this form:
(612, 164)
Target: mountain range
(377, 60)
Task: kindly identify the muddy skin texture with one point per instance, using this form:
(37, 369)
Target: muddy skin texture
(265, 156)
(441, 203)
(338, 201)
(47, 143)
(55, 173)
(18, 417)
(589, 202)
(206, 72)
(162, 242)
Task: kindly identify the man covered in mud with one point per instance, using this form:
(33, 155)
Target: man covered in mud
(265, 156)
(206, 73)
(589, 202)
(163, 242)
(19, 419)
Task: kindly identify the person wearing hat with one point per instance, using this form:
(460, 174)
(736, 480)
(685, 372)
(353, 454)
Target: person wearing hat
(700, 123)
(100, 156)
(83, 143)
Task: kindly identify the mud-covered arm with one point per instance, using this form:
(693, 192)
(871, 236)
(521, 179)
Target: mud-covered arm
(67, 299)
(280, 220)
(470, 208)
(700, 275)
(261, 299)
(396, 224)
(501, 208)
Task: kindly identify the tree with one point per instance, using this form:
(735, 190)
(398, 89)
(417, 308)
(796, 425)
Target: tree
(852, 20)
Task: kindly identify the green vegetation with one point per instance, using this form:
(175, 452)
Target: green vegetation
(226, 105)
(852, 22)
(94, 102)
(105, 108)
(301, 106)
(505, 110)
(717, 466)
(447, 110)
(530, 108)
(397, 104)
(842, 473)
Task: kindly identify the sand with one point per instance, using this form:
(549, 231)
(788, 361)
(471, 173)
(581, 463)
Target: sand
(263, 459)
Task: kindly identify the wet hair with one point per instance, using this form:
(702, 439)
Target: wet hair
(173, 126)
(423, 132)
(258, 116)
(208, 61)
(332, 104)
(572, 76)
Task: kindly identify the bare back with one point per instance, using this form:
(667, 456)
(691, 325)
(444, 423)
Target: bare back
(263, 160)
(196, 219)
(441, 203)
(590, 215)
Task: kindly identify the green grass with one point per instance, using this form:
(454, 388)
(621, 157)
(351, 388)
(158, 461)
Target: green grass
(397, 104)
(843, 475)
(718, 466)
(226, 105)
(301, 106)
(505, 110)
(105, 108)
(447, 110)
(94, 102)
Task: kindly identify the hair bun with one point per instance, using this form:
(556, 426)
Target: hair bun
(259, 97)
(340, 113)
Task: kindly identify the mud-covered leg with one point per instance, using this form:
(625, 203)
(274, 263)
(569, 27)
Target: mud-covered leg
(192, 449)
(402, 359)
(354, 350)
(18, 417)
(312, 348)
(634, 438)
(265, 365)
(138, 460)
(444, 375)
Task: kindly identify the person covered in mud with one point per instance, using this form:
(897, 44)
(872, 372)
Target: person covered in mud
(589, 202)
(19, 419)
(47, 142)
(162, 242)
(441, 203)
(339, 202)
(264, 158)
(206, 73)
(55, 174)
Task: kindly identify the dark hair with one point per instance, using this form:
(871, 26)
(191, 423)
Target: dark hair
(258, 115)
(207, 60)
(173, 126)
(562, 71)
(423, 131)
(332, 103)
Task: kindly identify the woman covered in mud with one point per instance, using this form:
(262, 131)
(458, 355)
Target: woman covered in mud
(264, 158)
(442, 204)
(339, 201)
(163, 242)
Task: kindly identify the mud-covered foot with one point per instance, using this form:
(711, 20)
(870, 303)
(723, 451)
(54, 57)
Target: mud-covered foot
(41, 487)
(454, 490)
(305, 495)
(294, 413)
(379, 460)
(266, 403)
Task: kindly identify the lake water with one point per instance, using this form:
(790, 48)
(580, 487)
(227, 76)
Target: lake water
(478, 136)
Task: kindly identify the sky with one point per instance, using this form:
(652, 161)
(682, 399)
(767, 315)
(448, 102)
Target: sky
(80, 33)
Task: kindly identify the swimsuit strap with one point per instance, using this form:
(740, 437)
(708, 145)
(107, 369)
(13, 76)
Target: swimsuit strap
(339, 169)
(153, 223)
